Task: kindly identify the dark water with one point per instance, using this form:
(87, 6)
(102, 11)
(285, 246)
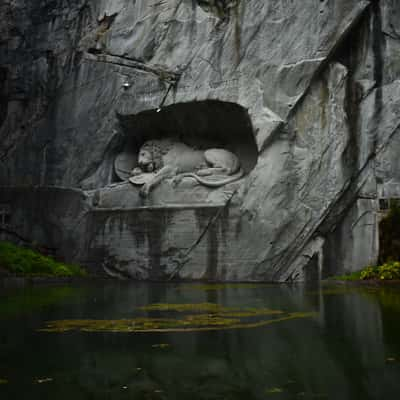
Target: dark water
(349, 348)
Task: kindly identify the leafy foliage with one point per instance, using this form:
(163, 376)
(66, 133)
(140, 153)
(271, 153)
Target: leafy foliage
(25, 261)
(387, 271)
(389, 253)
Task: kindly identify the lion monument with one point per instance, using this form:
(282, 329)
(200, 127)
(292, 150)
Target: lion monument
(163, 159)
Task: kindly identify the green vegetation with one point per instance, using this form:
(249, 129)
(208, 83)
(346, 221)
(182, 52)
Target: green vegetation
(389, 251)
(23, 261)
(386, 272)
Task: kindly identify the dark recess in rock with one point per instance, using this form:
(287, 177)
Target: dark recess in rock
(221, 8)
(349, 54)
(389, 236)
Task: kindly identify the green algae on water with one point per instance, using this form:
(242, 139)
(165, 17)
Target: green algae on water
(251, 312)
(274, 390)
(187, 318)
(150, 326)
(197, 307)
(138, 324)
(210, 308)
(43, 380)
(161, 346)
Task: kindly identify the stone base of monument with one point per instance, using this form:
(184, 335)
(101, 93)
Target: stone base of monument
(188, 192)
(162, 243)
(177, 232)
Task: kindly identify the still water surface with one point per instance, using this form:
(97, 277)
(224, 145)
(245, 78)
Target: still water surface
(96, 341)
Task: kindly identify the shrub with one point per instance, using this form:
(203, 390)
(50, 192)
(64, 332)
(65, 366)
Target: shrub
(25, 261)
(387, 271)
(369, 273)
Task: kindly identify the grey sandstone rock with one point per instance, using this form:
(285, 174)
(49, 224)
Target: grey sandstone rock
(306, 93)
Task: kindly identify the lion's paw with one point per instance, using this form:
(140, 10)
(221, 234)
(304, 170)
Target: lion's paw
(145, 190)
(136, 171)
(176, 180)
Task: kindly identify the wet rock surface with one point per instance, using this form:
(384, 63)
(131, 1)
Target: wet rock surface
(320, 83)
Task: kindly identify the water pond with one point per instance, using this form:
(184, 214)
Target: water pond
(122, 340)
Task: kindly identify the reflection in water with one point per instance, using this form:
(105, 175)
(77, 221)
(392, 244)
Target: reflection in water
(349, 349)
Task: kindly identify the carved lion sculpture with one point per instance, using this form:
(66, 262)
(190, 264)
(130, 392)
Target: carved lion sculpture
(170, 159)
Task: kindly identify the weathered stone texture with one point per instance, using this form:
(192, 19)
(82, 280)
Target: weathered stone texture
(320, 81)
(53, 219)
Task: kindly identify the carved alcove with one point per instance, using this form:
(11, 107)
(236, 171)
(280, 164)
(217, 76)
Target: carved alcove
(203, 125)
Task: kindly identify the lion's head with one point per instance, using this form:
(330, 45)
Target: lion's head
(146, 160)
(150, 158)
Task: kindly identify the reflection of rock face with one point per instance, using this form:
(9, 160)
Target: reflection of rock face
(339, 354)
(322, 98)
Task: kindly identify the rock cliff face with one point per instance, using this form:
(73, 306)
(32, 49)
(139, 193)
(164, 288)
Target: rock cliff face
(308, 92)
